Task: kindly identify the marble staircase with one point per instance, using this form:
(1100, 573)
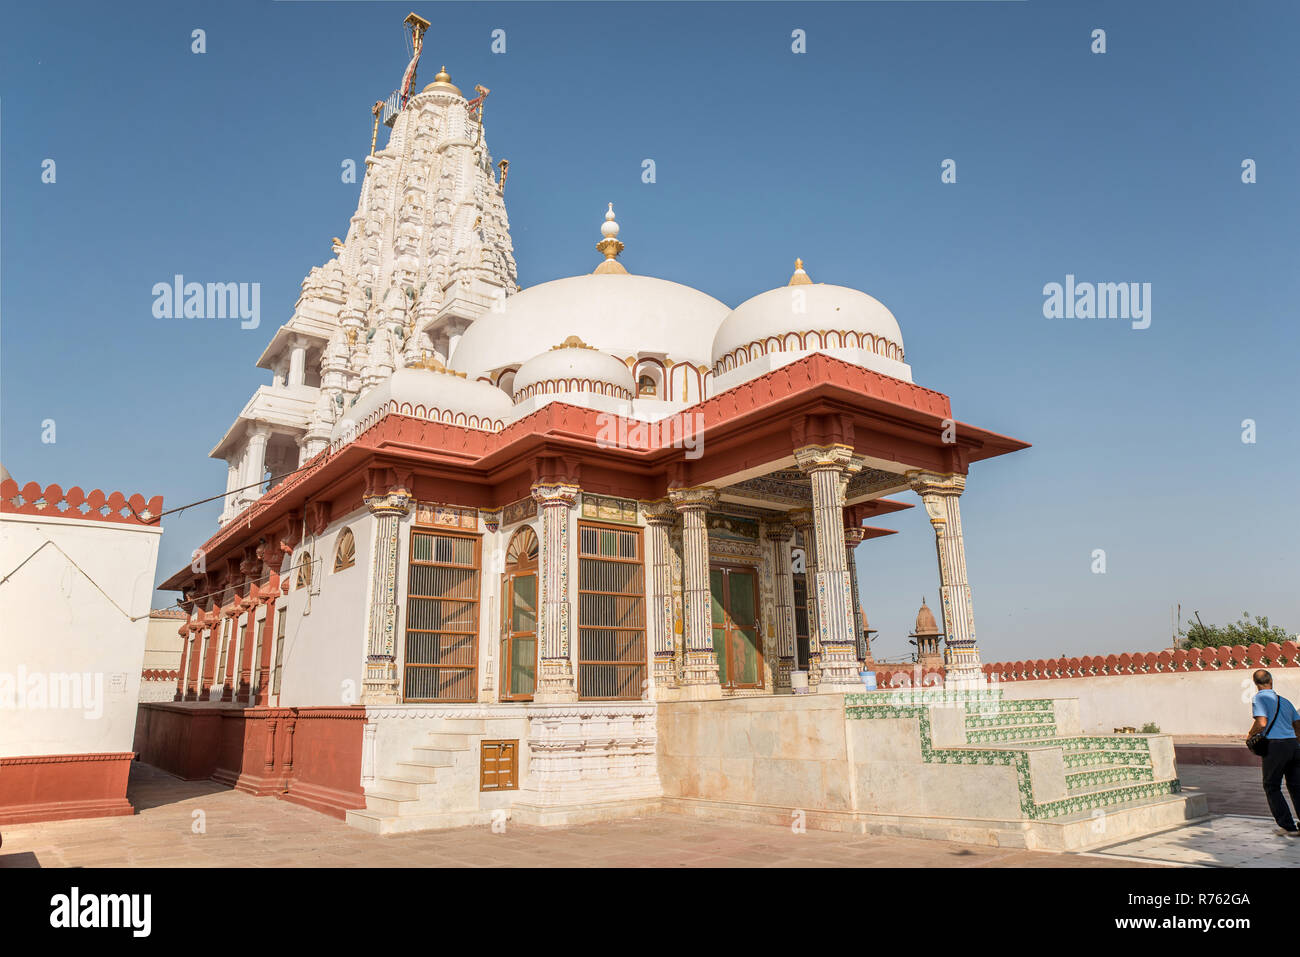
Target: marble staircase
(437, 787)
(1075, 790)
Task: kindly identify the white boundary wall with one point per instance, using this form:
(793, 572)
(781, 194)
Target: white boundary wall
(1203, 702)
(70, 655)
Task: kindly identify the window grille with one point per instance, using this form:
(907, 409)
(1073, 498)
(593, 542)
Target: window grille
(611, 613)
(345, 552)
(442, 618)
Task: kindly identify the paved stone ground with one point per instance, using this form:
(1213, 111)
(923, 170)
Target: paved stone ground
(243, 830)
(1242, 833)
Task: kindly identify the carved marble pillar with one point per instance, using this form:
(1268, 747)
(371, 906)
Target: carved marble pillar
(183, 676)
(380, 685)
(659, 517)
(783, 584)
(829, 468)
(298, 362)
(195, 673)
(802, 520)
(234, 648)
(556, 682)
(255, 461)
(211, 648)
(700, 675)
(852, 539)
(940, 493)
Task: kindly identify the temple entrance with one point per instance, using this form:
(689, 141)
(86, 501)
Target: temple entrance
(735, 626)
(519, 618)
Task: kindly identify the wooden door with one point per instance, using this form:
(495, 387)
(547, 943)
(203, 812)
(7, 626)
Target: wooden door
(735, 626)
(519, 618)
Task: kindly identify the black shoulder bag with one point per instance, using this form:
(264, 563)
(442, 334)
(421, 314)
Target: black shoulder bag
(1258, 743)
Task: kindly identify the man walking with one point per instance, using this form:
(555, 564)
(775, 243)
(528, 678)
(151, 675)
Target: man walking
(1277, 716)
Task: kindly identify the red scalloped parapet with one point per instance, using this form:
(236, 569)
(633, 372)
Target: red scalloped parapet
(1182, 661)
(907, 677)
(53, 502)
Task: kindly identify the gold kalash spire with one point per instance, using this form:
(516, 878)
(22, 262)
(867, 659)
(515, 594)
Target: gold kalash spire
(800, 278)
(610, 246)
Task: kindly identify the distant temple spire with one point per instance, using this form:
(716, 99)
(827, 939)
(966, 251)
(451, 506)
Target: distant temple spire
(610, 246)
(800, 278)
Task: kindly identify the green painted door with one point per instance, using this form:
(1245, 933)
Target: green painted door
(735, 627)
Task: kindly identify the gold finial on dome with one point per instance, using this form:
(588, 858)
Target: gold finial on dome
(442, 83)
(800, 278)
(572, 342)
(610, 246)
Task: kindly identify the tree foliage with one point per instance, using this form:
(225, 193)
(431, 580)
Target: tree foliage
(1243, 632)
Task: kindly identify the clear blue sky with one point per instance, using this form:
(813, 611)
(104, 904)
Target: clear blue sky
(1117, 167)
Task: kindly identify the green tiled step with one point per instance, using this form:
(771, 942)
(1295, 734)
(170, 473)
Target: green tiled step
(975, 722)
(1002, 707)
(1090, 759)
(1014, 733)
(919, 696)
(1131, 744)
(1104, 798)
(1107, 777)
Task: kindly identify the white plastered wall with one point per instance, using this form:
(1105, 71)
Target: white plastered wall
(325, 631)
(1196, 703)
(68, 612)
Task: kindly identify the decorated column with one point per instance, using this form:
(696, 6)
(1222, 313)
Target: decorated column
(186, 632)
(940, 493)
(659, 517)
(783, 585)
(700, 675)
(255, 461)
(852, 539)
(802, 519)
(380, 686)
(829, 468)
(556, 682)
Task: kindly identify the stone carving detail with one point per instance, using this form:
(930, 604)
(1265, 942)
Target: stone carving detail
(779, 536)
(380, 683)
(829, 468)
(660, 517)
(556, 681)
(940, 494)
(701, 666)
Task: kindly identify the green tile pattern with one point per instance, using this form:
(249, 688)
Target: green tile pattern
(1096, 753)
(1123, 774)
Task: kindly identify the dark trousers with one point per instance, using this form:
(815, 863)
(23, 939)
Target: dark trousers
(1282, 761)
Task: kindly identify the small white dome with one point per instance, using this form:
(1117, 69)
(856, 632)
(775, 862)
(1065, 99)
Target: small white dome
(426, 394)
(623, 315)
(793, 321)
(573, 367)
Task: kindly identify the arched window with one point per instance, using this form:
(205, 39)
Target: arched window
(304, 570)
(646, 386)
(522, 551)
(345, 552)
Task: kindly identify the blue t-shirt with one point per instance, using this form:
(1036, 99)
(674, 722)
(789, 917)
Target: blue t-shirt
(1265, 706)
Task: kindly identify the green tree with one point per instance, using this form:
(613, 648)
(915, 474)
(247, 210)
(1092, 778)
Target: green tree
(1244, 632)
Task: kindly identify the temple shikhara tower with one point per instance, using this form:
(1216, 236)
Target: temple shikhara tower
(593, 547)
(426, 254)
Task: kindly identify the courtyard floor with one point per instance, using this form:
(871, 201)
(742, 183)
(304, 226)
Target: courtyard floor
(240, 830)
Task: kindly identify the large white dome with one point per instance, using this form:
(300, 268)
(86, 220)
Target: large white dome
(573, 367)
(623, 315)
(789, 322)
(427, 394)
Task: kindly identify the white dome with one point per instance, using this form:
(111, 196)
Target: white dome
(573, 367)
(426, 394)
(806, 318)
(622, 315)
